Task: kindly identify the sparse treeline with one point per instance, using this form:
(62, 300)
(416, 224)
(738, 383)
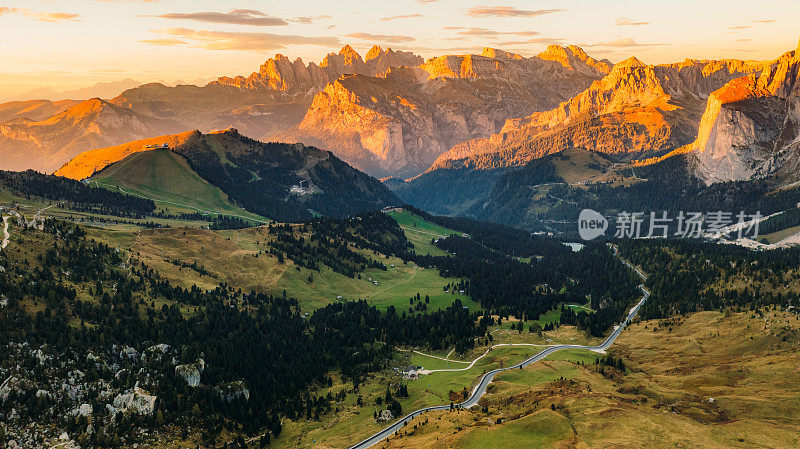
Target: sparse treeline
(335, 242)
(692, 275)
(75, 194)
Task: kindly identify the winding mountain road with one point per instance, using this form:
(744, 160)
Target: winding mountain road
(487, 378)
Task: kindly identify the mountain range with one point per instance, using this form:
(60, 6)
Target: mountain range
(107, 89)
(733, 120)
(420, 108)
(443, 132)
(398, 123)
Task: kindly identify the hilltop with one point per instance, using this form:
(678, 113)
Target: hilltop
(275, 180)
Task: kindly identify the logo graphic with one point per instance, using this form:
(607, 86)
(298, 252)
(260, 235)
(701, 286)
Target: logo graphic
(591, 224)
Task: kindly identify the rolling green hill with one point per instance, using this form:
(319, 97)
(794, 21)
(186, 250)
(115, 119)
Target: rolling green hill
(166, 178)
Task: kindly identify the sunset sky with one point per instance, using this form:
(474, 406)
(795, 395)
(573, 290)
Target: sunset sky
(76, 43)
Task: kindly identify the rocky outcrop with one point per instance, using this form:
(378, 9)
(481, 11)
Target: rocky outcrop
(751, 126)
(399, 123)
(384, 416)
(135, 401)
(573, 57)
(190, 372)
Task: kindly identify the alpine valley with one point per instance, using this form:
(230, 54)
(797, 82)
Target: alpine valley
(382, 250)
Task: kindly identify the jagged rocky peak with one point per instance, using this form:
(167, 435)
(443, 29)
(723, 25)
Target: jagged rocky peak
(631, 63)
(486, 65)
(398, 123)
(636, 109)
(380, 61)
(494, 53)
(279, 73)
(575, 58)
(375, 52)
(346, 59)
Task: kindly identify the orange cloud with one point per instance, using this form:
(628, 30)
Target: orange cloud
(310, 19)
(476, 31)
(402, 16)
(391, 38)
(235, 17)
(224, 40)
(40, 16)
(508, 11)
(625, 21)
(164, 41)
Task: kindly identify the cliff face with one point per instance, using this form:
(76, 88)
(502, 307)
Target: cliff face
(751, 126)
(636, 110)
(399, 123)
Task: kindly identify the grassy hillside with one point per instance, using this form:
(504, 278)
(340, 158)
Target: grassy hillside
(746, 398)
(420, 231)
(242, 258)
(165, 177)
(90, 162)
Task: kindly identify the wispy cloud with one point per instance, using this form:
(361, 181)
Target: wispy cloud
(390, 38)
(484, 32)
(166, 41)
(623, 43)
(538, 40)
(310, 19)
(224, 40)
(626, 21)
(402, 16)
(40, 16)
(509, 11)
(736, 29)
(235, 17)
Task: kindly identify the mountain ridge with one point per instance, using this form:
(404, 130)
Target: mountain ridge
(48, 143)
(281, 181)
(398, 123)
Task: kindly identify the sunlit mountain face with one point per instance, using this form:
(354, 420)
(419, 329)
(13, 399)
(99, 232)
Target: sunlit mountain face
(416, 224)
